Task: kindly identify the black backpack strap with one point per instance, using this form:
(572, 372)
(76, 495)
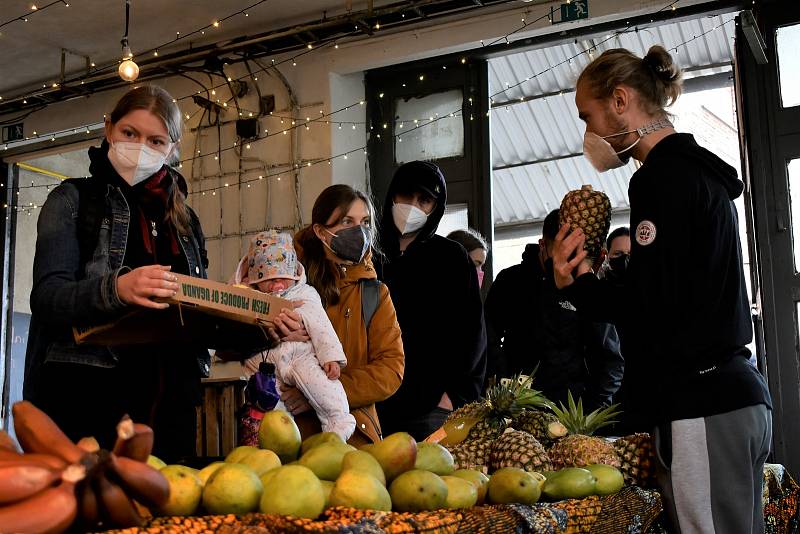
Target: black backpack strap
(91, 210)
(370, 298)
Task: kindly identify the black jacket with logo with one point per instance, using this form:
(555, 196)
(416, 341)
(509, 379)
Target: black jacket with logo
(685, 303)
(529, 323)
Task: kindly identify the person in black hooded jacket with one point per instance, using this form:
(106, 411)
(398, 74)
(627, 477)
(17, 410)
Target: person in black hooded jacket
(684, 304)
(434, 287)
(531, 324)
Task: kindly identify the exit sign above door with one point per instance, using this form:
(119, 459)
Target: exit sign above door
(574, 10)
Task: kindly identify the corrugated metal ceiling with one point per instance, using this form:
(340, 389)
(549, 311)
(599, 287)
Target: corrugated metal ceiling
(537, 137)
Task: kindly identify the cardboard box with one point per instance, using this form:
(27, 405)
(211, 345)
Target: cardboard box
(216, 315)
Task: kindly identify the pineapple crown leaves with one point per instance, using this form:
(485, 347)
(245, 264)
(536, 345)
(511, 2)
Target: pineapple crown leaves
(531, 398)
(576, 422)
(510, 397)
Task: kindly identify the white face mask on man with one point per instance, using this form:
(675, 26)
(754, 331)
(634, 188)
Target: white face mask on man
(408, 218)
(135, 162)
(602, 155)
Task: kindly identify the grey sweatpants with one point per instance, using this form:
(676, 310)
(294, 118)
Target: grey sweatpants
(710, 471)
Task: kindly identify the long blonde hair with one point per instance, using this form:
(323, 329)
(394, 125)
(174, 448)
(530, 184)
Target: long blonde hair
(161, 104)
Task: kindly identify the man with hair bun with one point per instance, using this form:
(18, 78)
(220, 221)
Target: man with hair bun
(684, 301)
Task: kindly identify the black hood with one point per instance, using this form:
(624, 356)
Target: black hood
(414, 176)
(532, 264)
(100, 168)
(686, 145)
(531, 253)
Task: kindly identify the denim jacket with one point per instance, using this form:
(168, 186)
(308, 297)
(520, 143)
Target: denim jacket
(65, 293)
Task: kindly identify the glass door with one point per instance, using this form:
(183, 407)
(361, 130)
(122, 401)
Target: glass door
(769, 103)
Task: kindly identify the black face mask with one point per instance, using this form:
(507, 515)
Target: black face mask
(350, 244)
(619, 264)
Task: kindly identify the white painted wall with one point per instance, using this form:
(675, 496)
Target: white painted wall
(327, 80)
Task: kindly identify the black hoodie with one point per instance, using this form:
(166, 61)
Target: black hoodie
(530, 324)
(434, 287)
(685, 302)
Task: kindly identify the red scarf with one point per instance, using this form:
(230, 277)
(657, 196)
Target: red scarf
(153, 198)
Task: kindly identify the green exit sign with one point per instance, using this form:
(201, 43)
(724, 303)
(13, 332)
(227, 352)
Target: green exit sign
(574, 10)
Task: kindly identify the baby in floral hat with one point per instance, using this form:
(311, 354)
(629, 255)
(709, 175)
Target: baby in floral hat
(313, 367)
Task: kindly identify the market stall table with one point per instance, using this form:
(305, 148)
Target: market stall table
(632, 510)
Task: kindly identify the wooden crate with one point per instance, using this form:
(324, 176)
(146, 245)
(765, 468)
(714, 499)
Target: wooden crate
(216, 417)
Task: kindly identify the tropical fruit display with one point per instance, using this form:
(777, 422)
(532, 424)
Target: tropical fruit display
(514, 446)
(84, 486)
(589, 211)
(55, 483)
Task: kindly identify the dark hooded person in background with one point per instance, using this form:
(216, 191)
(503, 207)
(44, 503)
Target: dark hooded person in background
(475, 245)
(530, 323)
(434, 287)
(618, 253)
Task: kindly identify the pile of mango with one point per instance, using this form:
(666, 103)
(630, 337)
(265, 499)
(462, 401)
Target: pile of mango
(287, 476)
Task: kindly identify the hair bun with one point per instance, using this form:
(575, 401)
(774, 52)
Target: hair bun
(653, 63)
(660, 62)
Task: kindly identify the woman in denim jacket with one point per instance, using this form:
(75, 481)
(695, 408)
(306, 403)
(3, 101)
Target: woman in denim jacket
(144, 233)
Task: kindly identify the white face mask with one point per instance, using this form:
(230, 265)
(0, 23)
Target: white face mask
(135, 162)
(602, 155)
(408, 218)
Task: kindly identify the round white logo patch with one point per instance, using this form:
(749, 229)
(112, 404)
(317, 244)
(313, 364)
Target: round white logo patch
(645, 233)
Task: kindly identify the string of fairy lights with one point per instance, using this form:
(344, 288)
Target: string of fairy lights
(423, 123)
(211, 91)
(217, 23)
(33, 11)
(94, 69)
(274, 64)
(295, 167)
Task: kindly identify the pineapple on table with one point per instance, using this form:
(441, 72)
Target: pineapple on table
(472, 454)
(591, 212)
(544, 426)
(637, 458)
(579, 448)
(488, 418)
(520, 449)
(472, 430)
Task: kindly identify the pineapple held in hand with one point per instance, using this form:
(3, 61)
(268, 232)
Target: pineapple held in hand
(580, 448)
(591, 212)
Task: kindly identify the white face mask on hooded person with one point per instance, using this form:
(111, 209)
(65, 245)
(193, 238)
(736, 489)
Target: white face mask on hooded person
(135, 162)
(408, 218)
(602, 155)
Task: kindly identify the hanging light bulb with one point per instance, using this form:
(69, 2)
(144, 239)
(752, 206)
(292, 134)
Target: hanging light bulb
(128, 69)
